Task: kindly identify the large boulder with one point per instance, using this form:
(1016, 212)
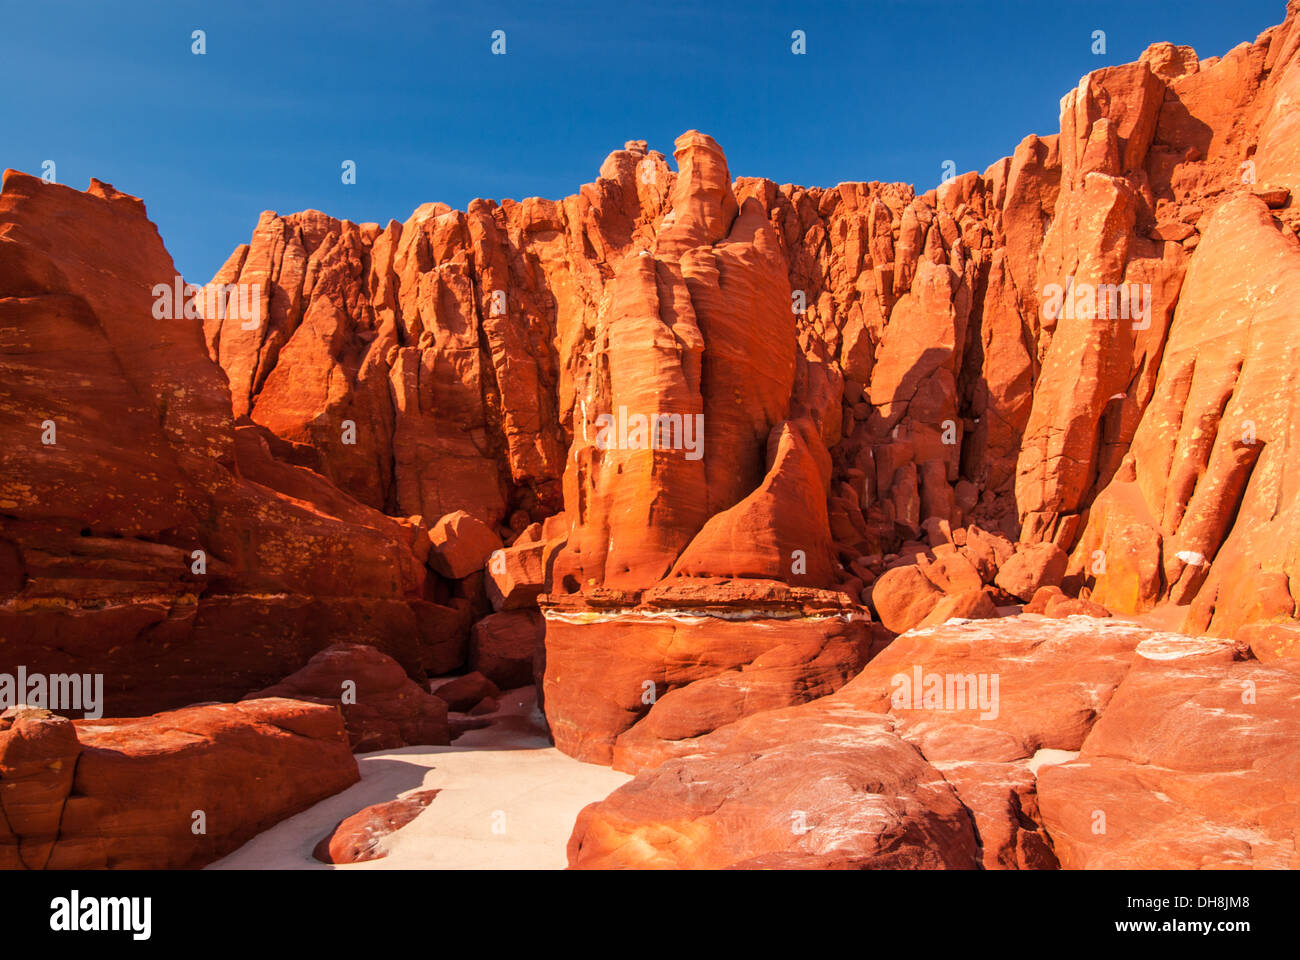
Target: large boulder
(903, 597)
(382, 707)
(1031, 567)
(971, 605)
(466, 691)
(927, 758)
(38, 761)
(1192, 765)
(1271, 641)
(177, 789)
(516, 575)
(461, 545)
(631, 685)
(505, 646)
(821, 785)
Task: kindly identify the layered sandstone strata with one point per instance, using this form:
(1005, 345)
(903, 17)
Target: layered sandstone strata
(1002, 351)
(145, 534)
(633, 683)
(852, 399)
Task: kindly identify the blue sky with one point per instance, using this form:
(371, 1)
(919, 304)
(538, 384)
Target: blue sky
(411, 92)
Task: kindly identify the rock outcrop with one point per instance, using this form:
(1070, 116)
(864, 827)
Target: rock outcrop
(177, 789)
(710, 460)
(630, 685)
(1193, 764)
(382, 707)
(147, 534)
(991, 744)
(684, 375)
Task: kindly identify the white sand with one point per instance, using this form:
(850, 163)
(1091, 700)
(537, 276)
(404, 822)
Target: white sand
(508, 799)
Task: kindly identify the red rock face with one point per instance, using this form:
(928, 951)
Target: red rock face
(1200, 512)
(435, 337)
(939, 754)
(631, 685)
(177, 789)
(153, 539)
(689, 451)
(836, 788)
(1160, 781)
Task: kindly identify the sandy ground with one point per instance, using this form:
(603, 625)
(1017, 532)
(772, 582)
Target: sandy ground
(508, 799)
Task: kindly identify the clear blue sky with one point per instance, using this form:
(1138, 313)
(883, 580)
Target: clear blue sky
(410, 90)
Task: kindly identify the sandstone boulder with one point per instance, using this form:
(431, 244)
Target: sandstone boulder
(1271, 641)
(461, 545)
(130, 793)
(1031, 567)
(516, 574)
(903, 597)
(359, 838)
(504, 646)
(971, 605)
(1191, 766)
(816, 786)
(382, 707)
(463, 692)
(632, 684)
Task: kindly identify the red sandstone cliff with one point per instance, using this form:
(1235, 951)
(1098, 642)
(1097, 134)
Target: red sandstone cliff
(874, 410)
(924, 360)
(874, 371)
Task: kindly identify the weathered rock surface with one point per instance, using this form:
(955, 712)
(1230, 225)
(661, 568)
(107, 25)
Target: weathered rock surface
(516, 575)
(949, 750)
(505, 646)
(461, 545)
(382, 707)
(820, 785)
(1193, 764)
(631, 685)
(704, 429)
(1201, 510)
(358, 838)
(1271, 641)
(466, 691)
(176, 789)
(144, 533)
(1033, 566)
